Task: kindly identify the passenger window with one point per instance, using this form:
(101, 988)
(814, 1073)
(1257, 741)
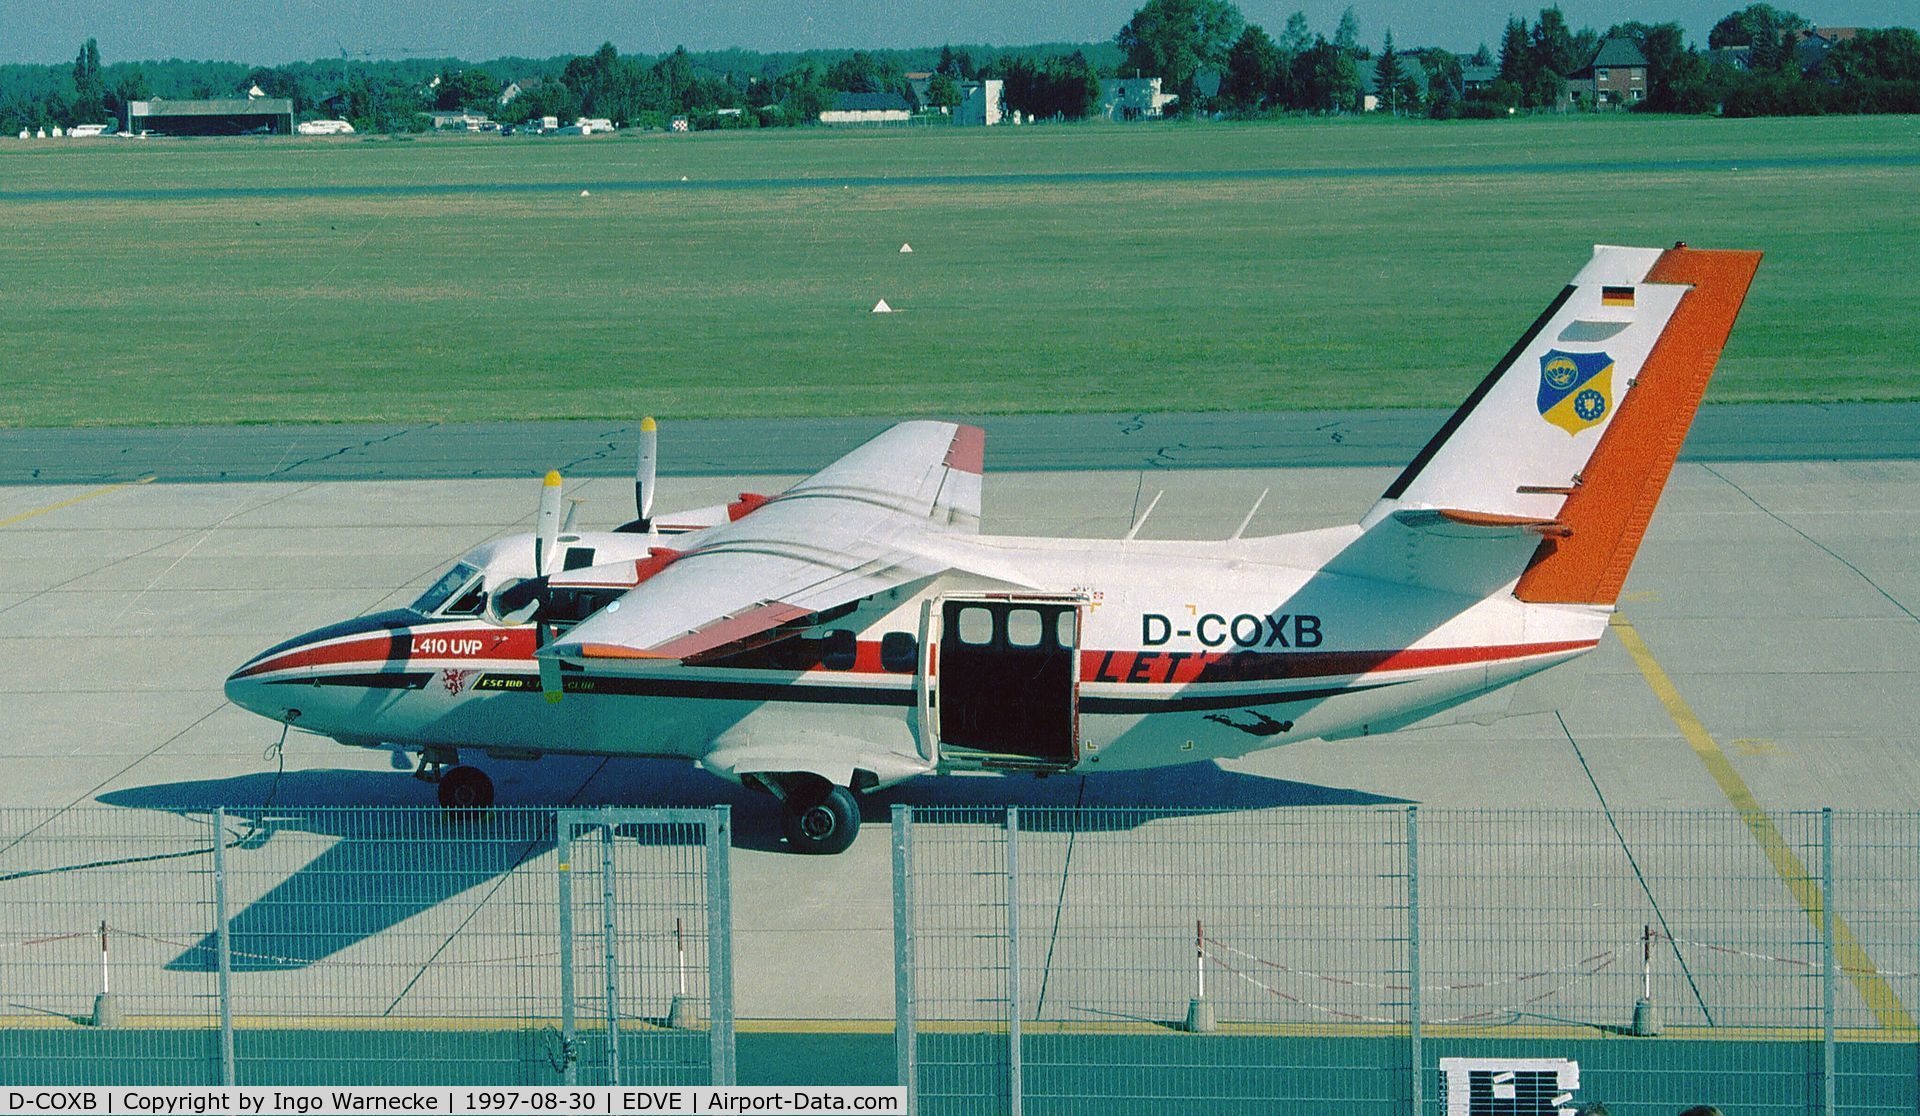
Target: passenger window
(1064, 625)
(794, 654)
(976, 626)
(570, 606)
(899, 652)
(1023, 627)
(512, 600)
(840, 650)
(577, 557)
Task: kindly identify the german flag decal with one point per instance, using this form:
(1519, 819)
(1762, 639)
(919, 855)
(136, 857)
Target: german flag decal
(1621, 297)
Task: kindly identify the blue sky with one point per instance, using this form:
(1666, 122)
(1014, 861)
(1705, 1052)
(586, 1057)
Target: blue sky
(271, 31)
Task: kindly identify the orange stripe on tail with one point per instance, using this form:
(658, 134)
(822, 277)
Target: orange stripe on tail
(1608, 514)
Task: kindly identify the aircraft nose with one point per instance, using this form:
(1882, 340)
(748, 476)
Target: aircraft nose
(260, 684)
(255, 696)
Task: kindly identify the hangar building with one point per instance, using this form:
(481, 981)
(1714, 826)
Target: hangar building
(235, 116)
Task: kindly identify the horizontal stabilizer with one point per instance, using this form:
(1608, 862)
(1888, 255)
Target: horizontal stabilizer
(1482, 521)
(1430, 548)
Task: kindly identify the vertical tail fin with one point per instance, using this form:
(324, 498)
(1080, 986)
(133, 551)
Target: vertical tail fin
(1607, 515)
(1572, 436)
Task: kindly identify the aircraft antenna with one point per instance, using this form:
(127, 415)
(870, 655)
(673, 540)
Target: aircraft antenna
(1251, 512)
(1142, 521)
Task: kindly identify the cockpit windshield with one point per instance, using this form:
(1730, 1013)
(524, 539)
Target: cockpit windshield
(453, 581)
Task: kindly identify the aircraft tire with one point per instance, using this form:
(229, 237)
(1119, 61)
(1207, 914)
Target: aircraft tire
(823, 825)
(465, 791)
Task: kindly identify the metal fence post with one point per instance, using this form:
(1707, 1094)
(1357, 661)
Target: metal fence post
(609, 957)
(569, 1052)
(1827, 986)
(223, 945)
(1414, 1053)
(720, 944)
(904, 1037)
(1014, 1085)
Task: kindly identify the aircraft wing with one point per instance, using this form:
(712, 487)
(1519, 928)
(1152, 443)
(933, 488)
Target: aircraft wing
(849, 531)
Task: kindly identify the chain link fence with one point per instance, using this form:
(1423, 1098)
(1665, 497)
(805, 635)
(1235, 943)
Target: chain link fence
(343, 946)
(1403, 960)
(98, 908)
(1047, 961)
(645, 947)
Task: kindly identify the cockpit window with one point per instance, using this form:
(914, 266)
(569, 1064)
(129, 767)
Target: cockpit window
(450, 583)
(473, 602)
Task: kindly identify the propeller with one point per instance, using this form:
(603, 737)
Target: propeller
(546, 536)
(643, 473)
(546, 539)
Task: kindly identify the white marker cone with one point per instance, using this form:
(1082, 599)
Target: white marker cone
(881, 307)
(584, 194)
(906, 248)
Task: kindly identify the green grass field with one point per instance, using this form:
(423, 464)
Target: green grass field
(467, 279)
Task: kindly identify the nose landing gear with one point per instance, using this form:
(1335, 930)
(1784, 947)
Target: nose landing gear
(466, 790)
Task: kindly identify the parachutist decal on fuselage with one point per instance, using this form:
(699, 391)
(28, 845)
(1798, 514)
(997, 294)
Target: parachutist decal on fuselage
(857, 630)
(1261, 725)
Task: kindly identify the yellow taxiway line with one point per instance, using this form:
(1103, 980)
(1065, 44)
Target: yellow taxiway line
(72, 500)
(1852, 958)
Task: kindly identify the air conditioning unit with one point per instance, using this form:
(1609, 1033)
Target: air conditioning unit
(1509, 1086)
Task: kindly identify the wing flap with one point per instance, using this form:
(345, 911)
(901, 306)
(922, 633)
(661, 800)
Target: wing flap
(727, 629)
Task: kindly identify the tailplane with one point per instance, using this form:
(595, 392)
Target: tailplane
(1551, 469)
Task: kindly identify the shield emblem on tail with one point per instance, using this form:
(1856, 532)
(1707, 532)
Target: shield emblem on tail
(1576, 389)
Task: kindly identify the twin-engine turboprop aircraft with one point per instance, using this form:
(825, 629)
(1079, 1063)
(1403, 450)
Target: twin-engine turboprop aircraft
(858, 630)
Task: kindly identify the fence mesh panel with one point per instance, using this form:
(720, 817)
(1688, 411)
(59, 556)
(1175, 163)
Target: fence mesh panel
(364, 945)
(1877, 895)
(1653, 958)
(1147, 960)
(1559, 923)
(959, 897)
(149, 878)
(351, 922)
(1123, 916)
(640, 951)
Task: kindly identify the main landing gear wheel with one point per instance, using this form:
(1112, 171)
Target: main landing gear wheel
(466, 790)
(821, 824)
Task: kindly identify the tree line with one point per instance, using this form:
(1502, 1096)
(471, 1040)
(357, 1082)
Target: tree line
(1754, 64)
(1756, 61)
(731, 88)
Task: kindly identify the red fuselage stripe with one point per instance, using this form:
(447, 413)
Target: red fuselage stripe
(1243, 666)
(398, 648)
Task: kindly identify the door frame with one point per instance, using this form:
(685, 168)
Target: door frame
(932, 631)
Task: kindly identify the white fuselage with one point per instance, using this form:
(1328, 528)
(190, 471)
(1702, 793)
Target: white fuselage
(1178, 651)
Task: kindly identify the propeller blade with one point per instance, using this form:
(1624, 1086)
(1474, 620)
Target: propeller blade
(550, 683)
(644, 471)
(546, 534)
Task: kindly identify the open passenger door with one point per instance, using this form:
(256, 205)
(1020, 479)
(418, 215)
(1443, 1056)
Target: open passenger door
(1003, 681)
